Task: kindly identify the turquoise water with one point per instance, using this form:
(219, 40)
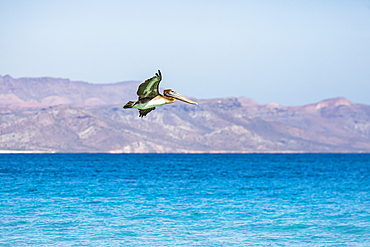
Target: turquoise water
(185, 200)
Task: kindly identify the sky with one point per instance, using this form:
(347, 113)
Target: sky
(287, 52)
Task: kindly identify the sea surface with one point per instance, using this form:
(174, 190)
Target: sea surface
(185, 200)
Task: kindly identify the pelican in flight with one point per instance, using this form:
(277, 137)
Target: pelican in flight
(149, 96)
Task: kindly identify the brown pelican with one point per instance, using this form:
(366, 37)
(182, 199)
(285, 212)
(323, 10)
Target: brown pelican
(149, 96)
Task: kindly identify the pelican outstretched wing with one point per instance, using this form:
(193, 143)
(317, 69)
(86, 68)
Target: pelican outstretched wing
(149, 88)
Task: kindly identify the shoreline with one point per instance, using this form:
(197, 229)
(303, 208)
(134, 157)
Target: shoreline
(188, 152)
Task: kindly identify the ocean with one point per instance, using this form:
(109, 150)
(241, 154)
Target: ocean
(185, 200)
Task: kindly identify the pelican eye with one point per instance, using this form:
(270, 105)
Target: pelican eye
(169, 92)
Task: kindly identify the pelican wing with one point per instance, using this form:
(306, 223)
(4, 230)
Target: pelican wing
(150, 87)
(146, 111)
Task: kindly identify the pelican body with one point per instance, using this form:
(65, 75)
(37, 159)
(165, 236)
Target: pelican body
(150, 98)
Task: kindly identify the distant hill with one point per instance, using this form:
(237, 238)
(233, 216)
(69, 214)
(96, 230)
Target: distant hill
(57, 115)
(46, 91)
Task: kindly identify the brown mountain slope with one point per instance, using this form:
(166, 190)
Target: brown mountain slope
(218, 125)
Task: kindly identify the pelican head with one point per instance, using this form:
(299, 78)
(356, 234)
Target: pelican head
(173, 94)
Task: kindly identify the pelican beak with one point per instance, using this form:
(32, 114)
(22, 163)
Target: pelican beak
(182, 98)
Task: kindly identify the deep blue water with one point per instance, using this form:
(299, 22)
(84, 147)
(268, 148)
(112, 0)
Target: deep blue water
(185, 200)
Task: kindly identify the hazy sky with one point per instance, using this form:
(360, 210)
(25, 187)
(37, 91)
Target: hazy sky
(287, 52)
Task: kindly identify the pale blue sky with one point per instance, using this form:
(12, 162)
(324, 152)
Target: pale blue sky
(287, 52)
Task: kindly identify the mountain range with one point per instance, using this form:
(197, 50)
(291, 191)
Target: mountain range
(59, 115)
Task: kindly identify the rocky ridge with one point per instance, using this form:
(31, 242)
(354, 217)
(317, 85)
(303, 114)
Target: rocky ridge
(57, 115)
